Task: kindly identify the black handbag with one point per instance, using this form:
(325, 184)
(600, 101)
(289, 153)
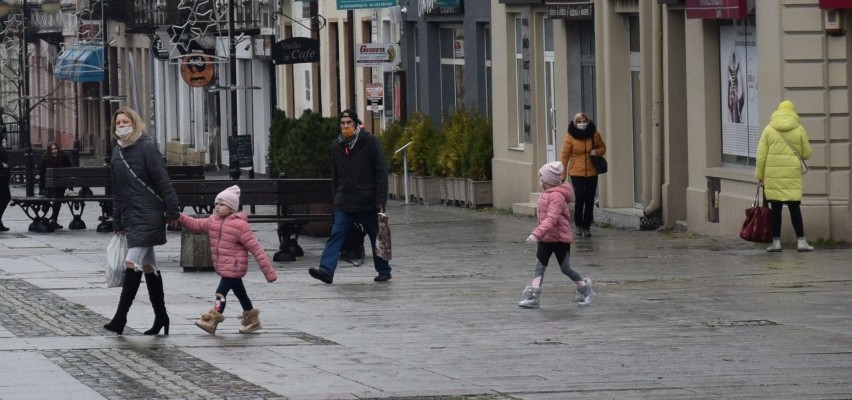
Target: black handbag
(600, 164)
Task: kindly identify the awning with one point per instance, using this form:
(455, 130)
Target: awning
(82, 63)
(835, 4)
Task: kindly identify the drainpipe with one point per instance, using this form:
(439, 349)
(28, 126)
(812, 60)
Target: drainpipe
(656, 114)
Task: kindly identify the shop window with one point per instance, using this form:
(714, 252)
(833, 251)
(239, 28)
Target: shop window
(452, 68)
(740, 121)
(522, 79)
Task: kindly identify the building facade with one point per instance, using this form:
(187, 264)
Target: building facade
(682, 91)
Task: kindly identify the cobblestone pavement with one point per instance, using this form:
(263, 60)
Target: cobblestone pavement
(677, 316)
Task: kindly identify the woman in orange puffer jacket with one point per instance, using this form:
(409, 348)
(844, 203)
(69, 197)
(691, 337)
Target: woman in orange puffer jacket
(581, 143)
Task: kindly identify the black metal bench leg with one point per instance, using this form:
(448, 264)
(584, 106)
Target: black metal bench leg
(38, 214)
(105, 218)
(77, 208)
(288, 249)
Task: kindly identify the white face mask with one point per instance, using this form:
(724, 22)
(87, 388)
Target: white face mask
(124, 131)
(582, 125)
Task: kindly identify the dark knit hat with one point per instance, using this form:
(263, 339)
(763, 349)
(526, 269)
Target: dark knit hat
(349, 114)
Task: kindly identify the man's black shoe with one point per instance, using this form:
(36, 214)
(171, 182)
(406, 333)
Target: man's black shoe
(382, 278)
(319, 274)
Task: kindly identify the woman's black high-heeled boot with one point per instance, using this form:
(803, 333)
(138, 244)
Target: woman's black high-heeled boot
(132, 279)
(154, 281)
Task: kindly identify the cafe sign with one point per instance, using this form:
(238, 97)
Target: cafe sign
(296, 50)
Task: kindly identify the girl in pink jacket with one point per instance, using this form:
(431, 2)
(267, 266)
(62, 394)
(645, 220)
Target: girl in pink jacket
(231, 239)
(553, 235)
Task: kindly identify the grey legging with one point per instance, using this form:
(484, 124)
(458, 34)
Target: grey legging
(563, 255)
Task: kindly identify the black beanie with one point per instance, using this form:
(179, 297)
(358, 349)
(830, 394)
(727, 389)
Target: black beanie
(349, 114)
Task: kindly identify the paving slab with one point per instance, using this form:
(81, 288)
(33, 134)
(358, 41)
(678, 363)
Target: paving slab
(677, 316)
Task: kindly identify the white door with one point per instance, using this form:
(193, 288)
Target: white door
(549, 91)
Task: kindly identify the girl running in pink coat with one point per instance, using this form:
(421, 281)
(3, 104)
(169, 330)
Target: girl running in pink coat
(231, 239)
(553, 235)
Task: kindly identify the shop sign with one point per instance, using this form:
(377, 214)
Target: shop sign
(835, 4)
(716, 9)
(376, 54)
(197, 69)
(359, 4)
(570, 9)
(374, 93)
(158, 50)
(296, 50)
(441, 7)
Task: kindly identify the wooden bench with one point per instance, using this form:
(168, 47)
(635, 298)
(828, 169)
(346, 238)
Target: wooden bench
(18, 164)
(313, 196)
(85, 178)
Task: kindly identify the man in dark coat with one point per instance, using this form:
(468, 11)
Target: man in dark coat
(360, 180)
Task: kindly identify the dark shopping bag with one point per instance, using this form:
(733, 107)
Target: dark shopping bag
(758, 223)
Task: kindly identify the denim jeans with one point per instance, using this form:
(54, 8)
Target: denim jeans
(342, 223)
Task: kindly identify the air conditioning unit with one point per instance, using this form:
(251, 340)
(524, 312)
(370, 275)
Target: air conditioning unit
(834, 22)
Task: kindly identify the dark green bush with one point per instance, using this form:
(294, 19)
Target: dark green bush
(301, 148)
(480, 149)
(423, 153)
(467, 149)
(392, 138)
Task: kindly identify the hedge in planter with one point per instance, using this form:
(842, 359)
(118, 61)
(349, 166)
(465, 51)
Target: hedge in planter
(301, 147)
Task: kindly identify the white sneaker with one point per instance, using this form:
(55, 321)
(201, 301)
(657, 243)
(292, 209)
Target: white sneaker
(803, 245)
(588, 294)
(579, 297)
(776, 246)
(531, 297)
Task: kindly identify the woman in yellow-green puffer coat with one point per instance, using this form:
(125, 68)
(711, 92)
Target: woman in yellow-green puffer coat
(779, 170)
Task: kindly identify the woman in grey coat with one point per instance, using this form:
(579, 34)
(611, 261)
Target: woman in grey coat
(143, 202)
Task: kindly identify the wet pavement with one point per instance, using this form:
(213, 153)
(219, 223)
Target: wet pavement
(677, 316)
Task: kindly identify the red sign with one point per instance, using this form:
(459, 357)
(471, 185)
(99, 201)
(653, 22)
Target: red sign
(716, 9)
(835, 4)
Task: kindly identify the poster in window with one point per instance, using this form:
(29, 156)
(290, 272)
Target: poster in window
(738, 65)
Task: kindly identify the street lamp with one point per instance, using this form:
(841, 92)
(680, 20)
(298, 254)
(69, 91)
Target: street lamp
(49, 7)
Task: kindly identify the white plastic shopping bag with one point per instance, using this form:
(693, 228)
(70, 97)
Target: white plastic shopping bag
(116, 252)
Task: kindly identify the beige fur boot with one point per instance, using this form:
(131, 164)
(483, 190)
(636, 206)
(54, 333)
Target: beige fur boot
(250, 321)
(209, 321)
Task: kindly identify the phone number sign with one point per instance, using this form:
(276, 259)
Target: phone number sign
(359, 4)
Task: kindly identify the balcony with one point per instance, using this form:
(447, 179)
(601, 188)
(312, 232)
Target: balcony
(146, 16)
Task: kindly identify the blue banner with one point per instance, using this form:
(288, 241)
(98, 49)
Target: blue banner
(447, 3)
(359, 4)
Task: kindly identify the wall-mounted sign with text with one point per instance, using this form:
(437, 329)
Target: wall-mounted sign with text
(197, 69)
(359, 4)
(570, 9)
(376, 55)
(296, 50)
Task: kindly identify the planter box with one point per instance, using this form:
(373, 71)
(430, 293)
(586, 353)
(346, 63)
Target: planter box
(480, 193)
(460, 192)
(396, 186)
(428, 190)
(446, 190)
(413, 195)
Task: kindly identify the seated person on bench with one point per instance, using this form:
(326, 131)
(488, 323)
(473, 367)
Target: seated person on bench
(54, 157)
